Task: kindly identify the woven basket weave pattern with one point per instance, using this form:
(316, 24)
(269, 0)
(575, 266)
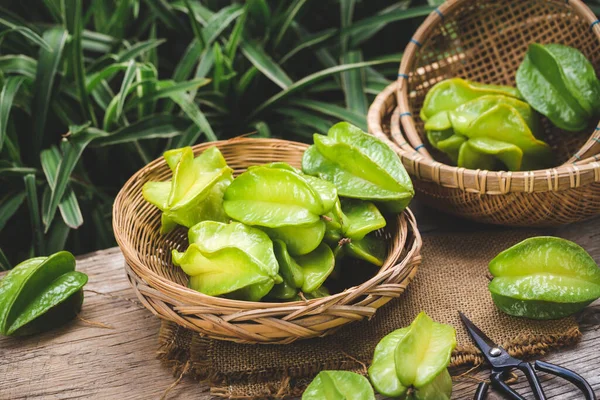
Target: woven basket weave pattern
(162, 287)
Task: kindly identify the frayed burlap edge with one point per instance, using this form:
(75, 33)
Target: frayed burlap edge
(180, 347)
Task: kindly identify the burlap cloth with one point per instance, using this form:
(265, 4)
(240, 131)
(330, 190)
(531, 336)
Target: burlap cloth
(453, 277)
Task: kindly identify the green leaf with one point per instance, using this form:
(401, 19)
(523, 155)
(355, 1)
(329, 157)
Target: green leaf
(9, 205)
(57, 236)
(164, 11)
(47, 68)
(366, 33)
(75, 28)
(69, 207)
(93, 80)
(34, 215)
(353, 82)
(4, 262)
(10, 88)
(377, 20)
(265, 64)
(318, 124)
(196, 28)
(138, 49)
(26, 33)
(73, 149)
(332, 110)
(312, 78)
(309, 41)
(193, 112)
(152, 127)
(130, 74)
(168, 88)
(18, 64)
(290, 14)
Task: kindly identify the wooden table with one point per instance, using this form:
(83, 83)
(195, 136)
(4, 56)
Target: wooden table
(110, 352)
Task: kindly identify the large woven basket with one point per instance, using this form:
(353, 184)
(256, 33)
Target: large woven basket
(162, 287)
(485, 41)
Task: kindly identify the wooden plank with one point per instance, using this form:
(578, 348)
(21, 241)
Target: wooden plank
(82, 360)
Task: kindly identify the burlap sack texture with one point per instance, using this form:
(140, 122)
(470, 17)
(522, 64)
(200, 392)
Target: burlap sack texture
(453, 278)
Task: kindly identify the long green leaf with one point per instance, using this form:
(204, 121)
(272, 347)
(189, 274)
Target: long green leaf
(189, 137)
(75, 29)
(377, 20)
(194, 113)
(155, 126)
(353, 82)
(48, 64)
(146, 78)
(305, 118)
(309, 41)
(167, 88)
(54, 9)
(10, 88)
(164, 12)
(368, 32)
(9, 207)
(196, 28)
(57, 236)
(34, 215)
(346, 14)
(138, 49)
(332, 110)
(26, 33)
(16, 171)
(312, 78)
(18, 64)
(130, 74)
(4, 263)
(71, 154)
(105, 74)
(236, 36)
(68, 207)
(186, 64)
(265, 64)
(98, 42)
(290, 14)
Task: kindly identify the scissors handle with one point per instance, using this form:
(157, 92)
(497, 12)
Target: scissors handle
(568, 375)
(498, 383)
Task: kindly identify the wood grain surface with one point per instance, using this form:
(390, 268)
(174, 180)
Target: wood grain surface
(110, 352)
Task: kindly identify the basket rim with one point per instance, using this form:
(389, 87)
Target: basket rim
(166, 286)
(591, 148)
(564, 177)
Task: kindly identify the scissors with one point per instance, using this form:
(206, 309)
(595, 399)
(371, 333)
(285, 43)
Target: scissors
(502, 363)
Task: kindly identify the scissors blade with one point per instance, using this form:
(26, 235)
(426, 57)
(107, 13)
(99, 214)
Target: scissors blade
(498, 360)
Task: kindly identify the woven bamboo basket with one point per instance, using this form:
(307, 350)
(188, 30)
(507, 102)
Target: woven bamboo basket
(162, 287)
(485, 41)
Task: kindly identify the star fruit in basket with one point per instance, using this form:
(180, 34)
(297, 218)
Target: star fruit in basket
(490, 132)
(360, 166)
(560, 83)
(196, 191)
(283, 202)
(352, 228)
(339, 385)
(304, 273)
(40, 293)
(451, 93)
(229, 259)
(544, 278)
(411, 363)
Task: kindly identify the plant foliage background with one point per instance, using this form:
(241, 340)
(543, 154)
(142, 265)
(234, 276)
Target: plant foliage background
(93, 90)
